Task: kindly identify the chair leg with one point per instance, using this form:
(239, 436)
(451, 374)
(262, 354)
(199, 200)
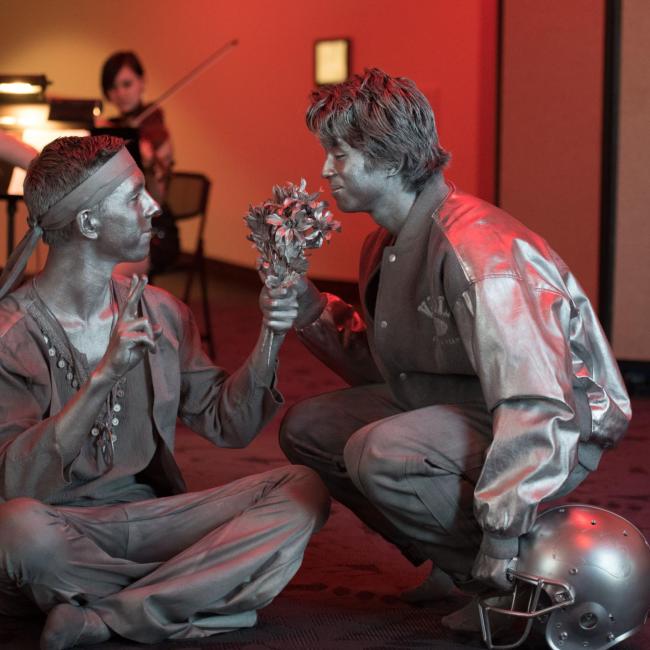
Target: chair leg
(203, 280)
(190, 276)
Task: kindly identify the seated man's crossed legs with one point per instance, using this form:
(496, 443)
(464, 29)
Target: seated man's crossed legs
(184, 566)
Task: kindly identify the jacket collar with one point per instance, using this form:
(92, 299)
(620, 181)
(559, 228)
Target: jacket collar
(430, 199)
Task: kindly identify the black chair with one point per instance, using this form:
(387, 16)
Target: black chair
(187, 198)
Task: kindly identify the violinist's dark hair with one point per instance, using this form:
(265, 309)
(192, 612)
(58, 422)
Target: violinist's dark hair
(387, 118)
(58, 169)
(115, 63)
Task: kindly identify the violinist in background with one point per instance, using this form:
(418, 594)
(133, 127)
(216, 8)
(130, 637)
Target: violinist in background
(123, 85)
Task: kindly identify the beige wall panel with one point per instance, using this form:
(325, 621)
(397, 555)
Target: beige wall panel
(551, 125)
(631, 312)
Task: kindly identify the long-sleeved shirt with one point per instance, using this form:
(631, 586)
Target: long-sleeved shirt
(38, 376)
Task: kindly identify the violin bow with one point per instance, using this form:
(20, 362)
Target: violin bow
(183, 81)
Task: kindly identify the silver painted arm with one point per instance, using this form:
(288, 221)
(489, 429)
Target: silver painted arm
(517, 337)
(337, 336)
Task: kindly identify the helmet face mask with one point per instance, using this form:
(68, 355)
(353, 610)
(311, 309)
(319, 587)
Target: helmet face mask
(533, 598)
(583, 573)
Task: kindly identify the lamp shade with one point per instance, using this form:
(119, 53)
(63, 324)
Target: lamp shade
(22, 89)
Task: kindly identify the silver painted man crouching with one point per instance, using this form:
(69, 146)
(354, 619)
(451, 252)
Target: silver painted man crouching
(481, 382)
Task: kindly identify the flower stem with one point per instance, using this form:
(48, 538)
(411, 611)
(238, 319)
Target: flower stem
(268, 340)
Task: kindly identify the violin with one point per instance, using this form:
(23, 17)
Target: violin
(151, 128)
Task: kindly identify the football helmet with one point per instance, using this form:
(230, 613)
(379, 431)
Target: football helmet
(583, 573)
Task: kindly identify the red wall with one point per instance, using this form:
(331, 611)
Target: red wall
(242, 122)
(254, 113)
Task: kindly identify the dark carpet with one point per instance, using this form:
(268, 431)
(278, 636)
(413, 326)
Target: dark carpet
(344, 596)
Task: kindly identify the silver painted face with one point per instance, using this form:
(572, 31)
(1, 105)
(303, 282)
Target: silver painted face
(125, 224)
(356, 184)
(586, 574)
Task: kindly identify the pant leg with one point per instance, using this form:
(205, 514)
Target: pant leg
(184, 566)
(257, 531)
(420, 468)
(315, 431)
(46, 560)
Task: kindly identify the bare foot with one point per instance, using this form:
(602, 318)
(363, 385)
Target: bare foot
(465, 619)
(67, 626)
(468, 618)
(436, 586)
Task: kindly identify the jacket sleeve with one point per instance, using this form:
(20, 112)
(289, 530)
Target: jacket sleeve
(517, 337)
(228, 410)
(338, 338)
(31, 462)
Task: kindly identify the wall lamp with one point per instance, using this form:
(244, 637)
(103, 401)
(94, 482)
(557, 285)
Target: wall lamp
(22, 89)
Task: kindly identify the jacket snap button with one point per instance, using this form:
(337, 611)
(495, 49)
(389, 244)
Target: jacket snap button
(402, 376)
(383, 324)
(392, 257)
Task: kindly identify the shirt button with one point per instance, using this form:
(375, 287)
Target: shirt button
(392, 257)
(60, 363)
(117, 408)
(115, 421)
(403, 376)
(383, 324)
(94, 432)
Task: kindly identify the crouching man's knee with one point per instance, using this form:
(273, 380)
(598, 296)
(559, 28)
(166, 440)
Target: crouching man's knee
(295, 430)
(28, 538)
(372, 462)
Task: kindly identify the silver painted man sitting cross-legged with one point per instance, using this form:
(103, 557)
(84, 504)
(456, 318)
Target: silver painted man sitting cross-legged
(96, 529)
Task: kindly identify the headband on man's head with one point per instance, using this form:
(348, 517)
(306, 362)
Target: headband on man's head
(100, 184)
(90, 192)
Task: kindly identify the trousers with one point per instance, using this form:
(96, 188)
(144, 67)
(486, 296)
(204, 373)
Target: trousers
(177, 567)
(409, 475)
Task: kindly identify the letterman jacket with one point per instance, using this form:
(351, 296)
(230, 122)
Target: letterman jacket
(468, 305)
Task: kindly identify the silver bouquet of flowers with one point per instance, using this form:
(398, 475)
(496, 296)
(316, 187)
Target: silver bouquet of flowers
(284, 228)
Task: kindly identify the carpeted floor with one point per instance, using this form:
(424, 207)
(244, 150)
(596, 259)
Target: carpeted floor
(345, 594)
